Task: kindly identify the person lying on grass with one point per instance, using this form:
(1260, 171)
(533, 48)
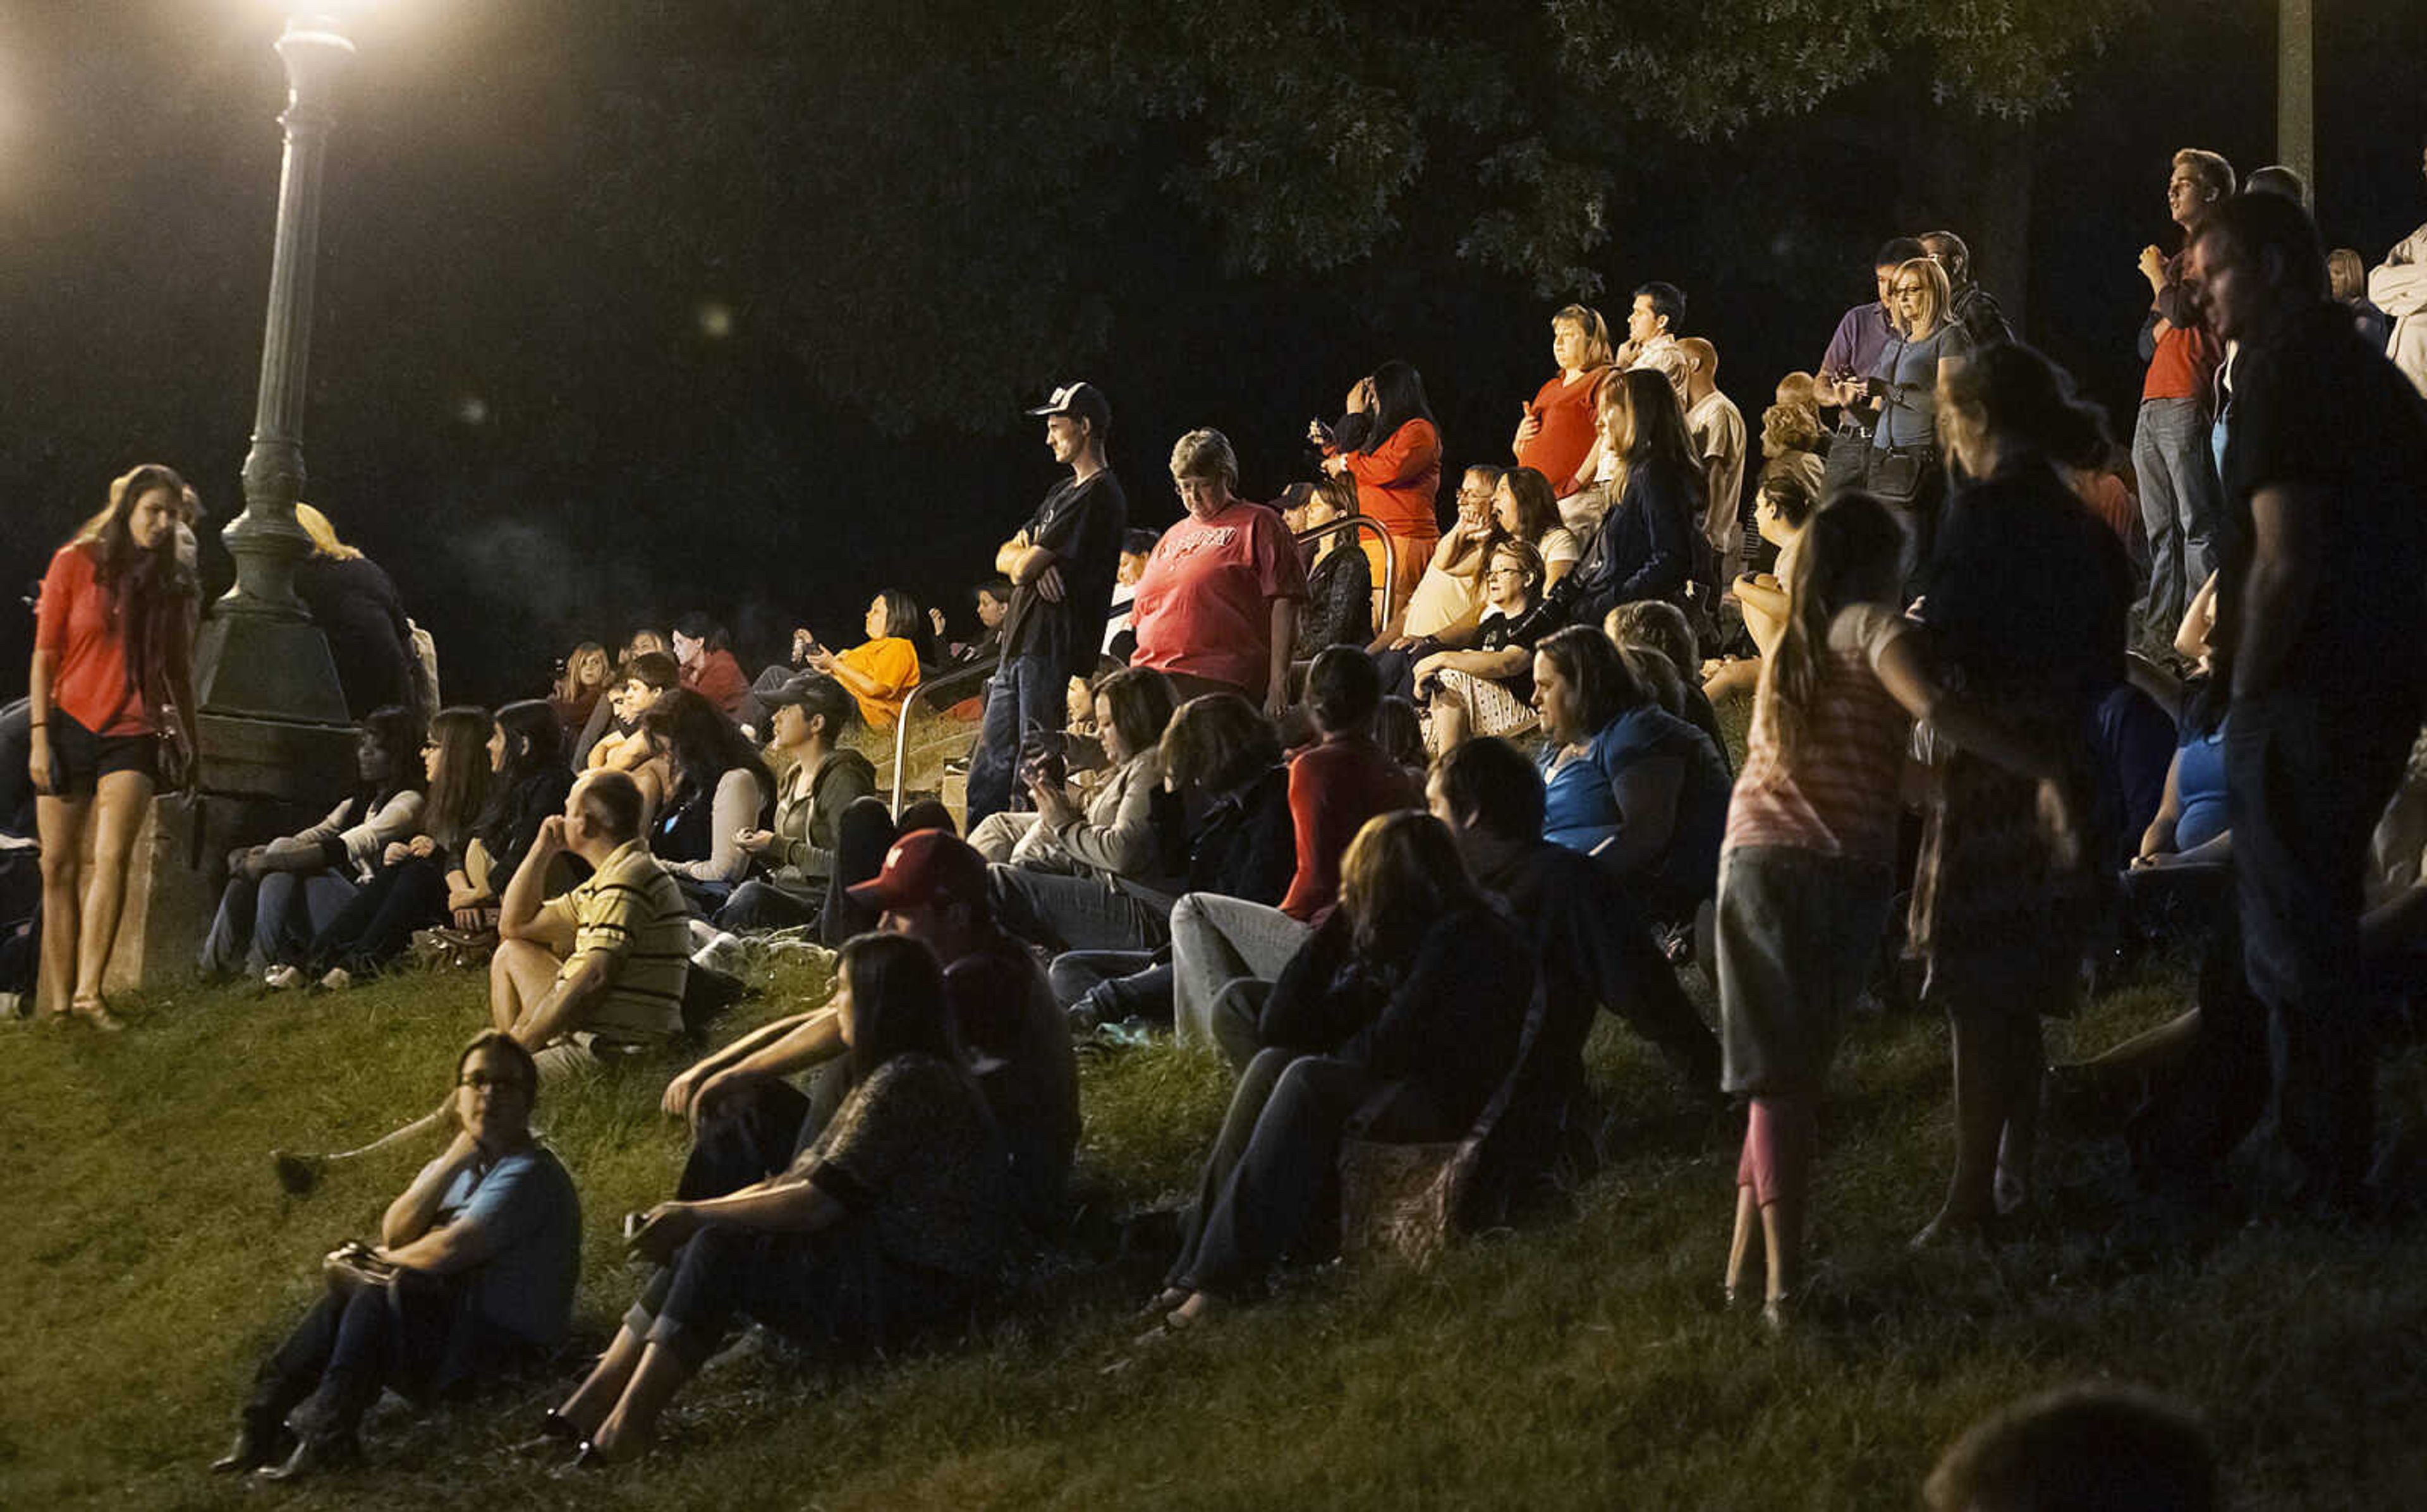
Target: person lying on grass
(473, 1275)
(896, 1219)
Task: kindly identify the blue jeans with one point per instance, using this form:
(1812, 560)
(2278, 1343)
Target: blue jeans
(2307, 778)
(1026, 695)
(2180, 502)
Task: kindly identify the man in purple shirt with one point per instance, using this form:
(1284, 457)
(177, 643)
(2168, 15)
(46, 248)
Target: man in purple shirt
(1862, 334)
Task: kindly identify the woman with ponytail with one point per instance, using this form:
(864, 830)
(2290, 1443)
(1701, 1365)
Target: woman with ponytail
(111, 719)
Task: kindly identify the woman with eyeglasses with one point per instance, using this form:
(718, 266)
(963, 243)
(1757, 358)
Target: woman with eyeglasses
(1908, 469)
(1487, 688)
(472, 1278)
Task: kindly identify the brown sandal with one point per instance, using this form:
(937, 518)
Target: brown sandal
(96, 1013)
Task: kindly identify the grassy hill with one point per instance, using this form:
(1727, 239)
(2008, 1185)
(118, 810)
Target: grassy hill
(147, 1260)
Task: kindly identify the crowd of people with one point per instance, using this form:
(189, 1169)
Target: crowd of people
(1384, 813)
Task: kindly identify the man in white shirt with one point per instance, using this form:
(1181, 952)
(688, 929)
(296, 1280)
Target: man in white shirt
(1717, 428)
(1652, 333)
(2397, 286)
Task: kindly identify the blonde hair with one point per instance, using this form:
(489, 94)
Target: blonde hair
(2345, 273)
(324, 535)
(1205, 453)
(1935, 289)
(1597, 350)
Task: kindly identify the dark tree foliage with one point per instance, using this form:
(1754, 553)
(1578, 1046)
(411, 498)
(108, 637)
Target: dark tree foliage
(971, 169)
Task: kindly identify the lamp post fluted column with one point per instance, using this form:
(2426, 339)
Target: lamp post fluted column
(271, 709)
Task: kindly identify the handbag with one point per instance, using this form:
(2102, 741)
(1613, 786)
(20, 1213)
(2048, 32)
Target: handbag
(1899, 476)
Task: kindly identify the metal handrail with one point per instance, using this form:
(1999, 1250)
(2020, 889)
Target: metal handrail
(1390, 558)
(974, 671)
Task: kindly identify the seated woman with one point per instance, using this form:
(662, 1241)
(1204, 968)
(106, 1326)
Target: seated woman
(1226, 950)
(2181, 874)
(472, 1278)
(1449, 598)
(528, 781)
(1102, 877)
(708, 669)
(1658, 625)
(1623, 780)
(1780, 510)
(1488, 688)
(1339, 581)
(880, 672)
(408, 889)
(1217, 608)
(894, 1219)
(579, 687)
(282, 894)
(1522, 510)
(1647, 542)
(1403, 1013)
(821, 779)
(720, 792)
(1218, 755)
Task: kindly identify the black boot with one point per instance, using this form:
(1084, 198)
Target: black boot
(316, 1454)
(258, 1441)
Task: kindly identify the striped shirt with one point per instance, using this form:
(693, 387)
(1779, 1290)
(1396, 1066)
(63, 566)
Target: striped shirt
(630, 911)
(1839, 795)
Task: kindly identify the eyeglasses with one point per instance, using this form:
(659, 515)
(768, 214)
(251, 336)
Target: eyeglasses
(1504, 572)
(483, 1081)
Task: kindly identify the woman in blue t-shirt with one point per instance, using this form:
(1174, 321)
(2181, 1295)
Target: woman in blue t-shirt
(1626, 781)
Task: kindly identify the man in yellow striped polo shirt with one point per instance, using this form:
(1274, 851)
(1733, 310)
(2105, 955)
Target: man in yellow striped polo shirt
(601, 969)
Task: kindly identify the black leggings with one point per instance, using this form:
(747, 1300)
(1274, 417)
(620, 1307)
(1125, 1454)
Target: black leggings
(377, 924)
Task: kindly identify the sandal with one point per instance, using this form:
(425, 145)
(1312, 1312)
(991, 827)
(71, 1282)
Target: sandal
(96, 1013)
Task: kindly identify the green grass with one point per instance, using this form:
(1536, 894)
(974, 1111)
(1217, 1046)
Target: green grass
(148, 1260)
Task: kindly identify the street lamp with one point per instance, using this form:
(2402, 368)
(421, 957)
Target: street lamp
(273, 720)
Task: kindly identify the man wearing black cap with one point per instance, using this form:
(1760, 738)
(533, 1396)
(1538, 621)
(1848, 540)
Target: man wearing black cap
(933, 888)
(1061, 565)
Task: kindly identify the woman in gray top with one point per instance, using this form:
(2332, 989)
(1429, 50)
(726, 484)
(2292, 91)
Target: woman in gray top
(1907, 472)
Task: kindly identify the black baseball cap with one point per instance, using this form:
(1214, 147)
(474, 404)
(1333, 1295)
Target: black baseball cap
(1081, 402)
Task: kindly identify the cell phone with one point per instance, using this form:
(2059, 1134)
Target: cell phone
(1047, 768)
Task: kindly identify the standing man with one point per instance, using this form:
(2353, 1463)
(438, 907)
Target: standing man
(1061, 565)
(2399, 288)
(2321, 628)
(1717, 428)
(1652, 324)
(1855, 349)
(2171, 444)
(1968, 305)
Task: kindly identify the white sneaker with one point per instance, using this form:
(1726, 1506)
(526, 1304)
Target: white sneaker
(282, 977)
(338, 979)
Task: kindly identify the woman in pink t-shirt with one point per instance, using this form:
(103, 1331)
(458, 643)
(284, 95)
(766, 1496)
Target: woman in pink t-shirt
(112, 675)
(1217, 609)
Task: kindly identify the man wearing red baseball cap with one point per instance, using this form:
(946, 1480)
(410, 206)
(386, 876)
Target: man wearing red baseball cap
(932, 888)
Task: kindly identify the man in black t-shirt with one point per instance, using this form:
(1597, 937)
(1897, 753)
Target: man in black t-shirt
(1061, 565)
(2321, 628)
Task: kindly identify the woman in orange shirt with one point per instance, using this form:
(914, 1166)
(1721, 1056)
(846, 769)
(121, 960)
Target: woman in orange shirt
(881, 672)
(112, 675)
(1559, 436)
(1398, 470)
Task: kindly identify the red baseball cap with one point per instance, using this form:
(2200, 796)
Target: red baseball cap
(922, 864)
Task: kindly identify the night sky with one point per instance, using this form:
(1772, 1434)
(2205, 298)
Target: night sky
(550, 419)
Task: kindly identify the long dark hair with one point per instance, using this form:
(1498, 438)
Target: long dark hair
(534, 748)
(1399, 398)
(1851, 554)
(702, 744)
(897, 1001)
(1605, 686)
(460, 795)
(1653, 432)
(1398, 879)
(399, 734)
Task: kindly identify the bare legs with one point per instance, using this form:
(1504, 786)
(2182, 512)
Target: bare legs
(616, 1407)
(520, 974)
(81, 910)
(1773, 1193)
(1997, 1065)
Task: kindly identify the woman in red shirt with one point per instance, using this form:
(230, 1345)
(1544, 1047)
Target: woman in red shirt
(112, 675)
(1561, 436)
(1216, 608)
(1398, 470)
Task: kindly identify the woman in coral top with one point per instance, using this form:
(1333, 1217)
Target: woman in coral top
(1397, 467)
(112, 674)
(1560, 434)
